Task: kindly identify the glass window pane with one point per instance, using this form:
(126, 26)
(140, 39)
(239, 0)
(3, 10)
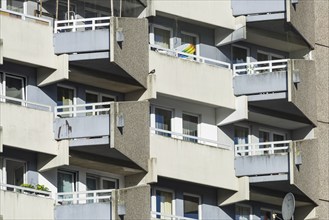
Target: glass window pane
(241, 135)
(187, 39)
(15, 172)
(109, 184)
(262, 57)
(239, 55)
(242, 213)
(65, 182)
(191, 207)
(164, 202)
(15, 5)
(162, 37)
(14, 87)
(65, 97)
(163, 121)
(190, 127)
(264, 137)
(265, 215)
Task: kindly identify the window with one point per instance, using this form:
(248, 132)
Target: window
(240, 54)
(15, 5)
(161, 36)
(65, 96)
(267, 214)
(99, 183)
(279, 137)
(163, 121)
(191, 206)
(242, 212)
(241, 136)
(264, 136)
(164, 203)
(94, 97)
(66, 183)
(265, 56)
(190, 127)
(14, 172)
(188, 38)
(13, 87)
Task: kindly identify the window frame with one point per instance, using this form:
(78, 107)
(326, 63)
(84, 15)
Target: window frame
(241, 47)
(152, 35)
(244, 206)
(269, 54)
(153, 117)
(4, 169)
(197, 39)
(75, 178)
(199, 205)
(198, 127)
(154, 201)
(3, 82)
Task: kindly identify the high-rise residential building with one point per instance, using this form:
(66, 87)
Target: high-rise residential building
(158, 109)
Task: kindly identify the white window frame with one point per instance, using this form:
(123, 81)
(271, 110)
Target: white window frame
(244, 206)
(154, 202)
(69, 87)
(249, 131)
(100, 95)
(153, 107)
(75, 178)
(4, 169)
(242, 47)
(199, 124)
(197, 39)
(152, 36)
(199, 206)
(3, 77)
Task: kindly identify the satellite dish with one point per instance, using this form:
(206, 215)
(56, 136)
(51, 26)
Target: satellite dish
(288, 206)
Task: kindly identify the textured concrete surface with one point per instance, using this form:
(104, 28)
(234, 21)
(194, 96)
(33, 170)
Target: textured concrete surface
(83, 211)
(303, 94)
(133, 138)
(306, 175)
(322, 22)
(135, 201)
(302, 23)
(131, 54)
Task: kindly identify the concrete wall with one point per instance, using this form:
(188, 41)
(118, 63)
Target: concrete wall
(129, 123)
(82, 127)
(302, 94)
(180, 78)
(22, 206)
(249, 7)
(83, 211)
(134, 201)
(306, 175)
(261, 165)
(204, 159)
(31, 42)
(82, 41)
(219, 13)
(132, 54)
(260, 83)
(33, 132)
(302, 18)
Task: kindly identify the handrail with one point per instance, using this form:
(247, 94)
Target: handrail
(73, 109)
(200, 59)
(21, 189)
(252, 149)
(82, 197)
(24, 102)
(199, 140)
(24, 16)
(258, 67)
(73, 25)
(167, 216)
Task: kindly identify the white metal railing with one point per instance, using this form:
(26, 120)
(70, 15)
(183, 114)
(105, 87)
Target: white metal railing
(83, 197)
(85, 109)
(264, 148)
(25, 16)
(25, 103)
(159, 215)
(192, 57)
(190, 138)
(259, 67)
(24, 190)
(81, 24)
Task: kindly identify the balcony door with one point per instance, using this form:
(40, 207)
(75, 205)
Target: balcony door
(240, 54)
(14, 172)
(66, 184)
(65, 97)
(164, 203)
(95, 97)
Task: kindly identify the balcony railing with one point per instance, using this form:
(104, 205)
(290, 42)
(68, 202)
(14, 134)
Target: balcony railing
(25, 103)
(24, 16)
(83, 197)
(265, 148)
(189, 138)
(24, 190)
(182, 55)
(66, 111)
(260, 67)
(159, 215)
(81, 24)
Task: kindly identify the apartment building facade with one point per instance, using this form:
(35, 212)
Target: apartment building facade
(157, 109)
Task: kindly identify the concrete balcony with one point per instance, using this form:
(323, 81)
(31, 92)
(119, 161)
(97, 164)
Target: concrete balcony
(104, 204)
(181, 75)
(24, 203)
(115, 49)
(267, 161)
(204, 156)
(279, 85)
(113, 129)
(26, 39)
